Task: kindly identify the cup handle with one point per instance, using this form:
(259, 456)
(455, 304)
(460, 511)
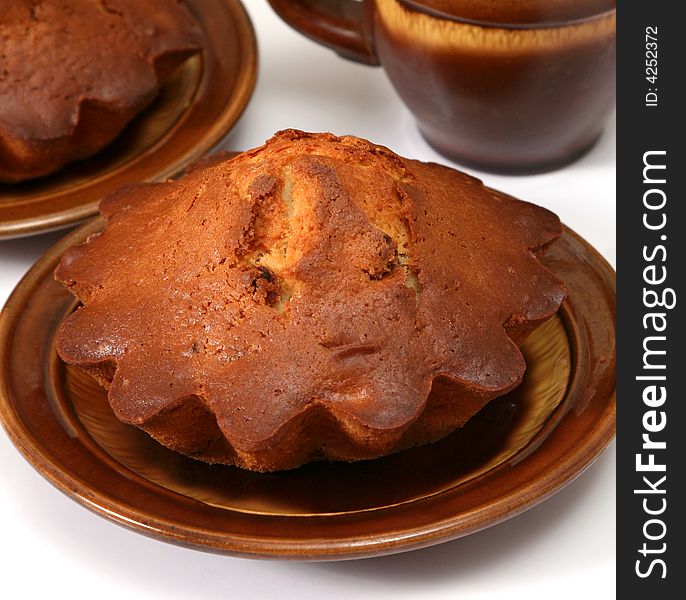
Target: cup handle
(338, 24)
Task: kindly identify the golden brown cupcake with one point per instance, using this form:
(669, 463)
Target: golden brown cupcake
(73, 73)
(299, 301)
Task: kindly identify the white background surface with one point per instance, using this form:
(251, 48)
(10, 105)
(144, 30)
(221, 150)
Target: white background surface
(563, 548)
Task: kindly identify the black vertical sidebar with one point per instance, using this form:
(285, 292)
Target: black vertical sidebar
(651, 399)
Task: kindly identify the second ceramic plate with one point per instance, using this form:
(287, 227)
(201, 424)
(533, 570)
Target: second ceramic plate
(515, 453)
(193, 112)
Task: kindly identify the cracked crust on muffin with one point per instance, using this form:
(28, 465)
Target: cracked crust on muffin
(301, 301)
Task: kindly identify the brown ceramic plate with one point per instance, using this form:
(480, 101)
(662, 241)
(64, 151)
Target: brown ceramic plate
(193, 112)
(515, 453)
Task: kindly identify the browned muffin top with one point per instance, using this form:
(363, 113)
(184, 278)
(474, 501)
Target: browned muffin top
(314, 270)
(56, 54)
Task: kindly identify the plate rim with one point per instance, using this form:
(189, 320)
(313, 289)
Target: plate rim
(570, 465)
(231, 113)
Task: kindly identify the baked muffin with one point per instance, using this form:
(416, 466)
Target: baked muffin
(73, 73)
(299, 301)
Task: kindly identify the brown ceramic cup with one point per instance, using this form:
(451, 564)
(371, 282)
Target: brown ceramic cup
(514, 87)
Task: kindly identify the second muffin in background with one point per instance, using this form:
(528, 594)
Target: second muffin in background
(74, 73)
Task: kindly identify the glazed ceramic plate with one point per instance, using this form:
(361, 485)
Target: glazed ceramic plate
(193, 112)
(516, 452)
